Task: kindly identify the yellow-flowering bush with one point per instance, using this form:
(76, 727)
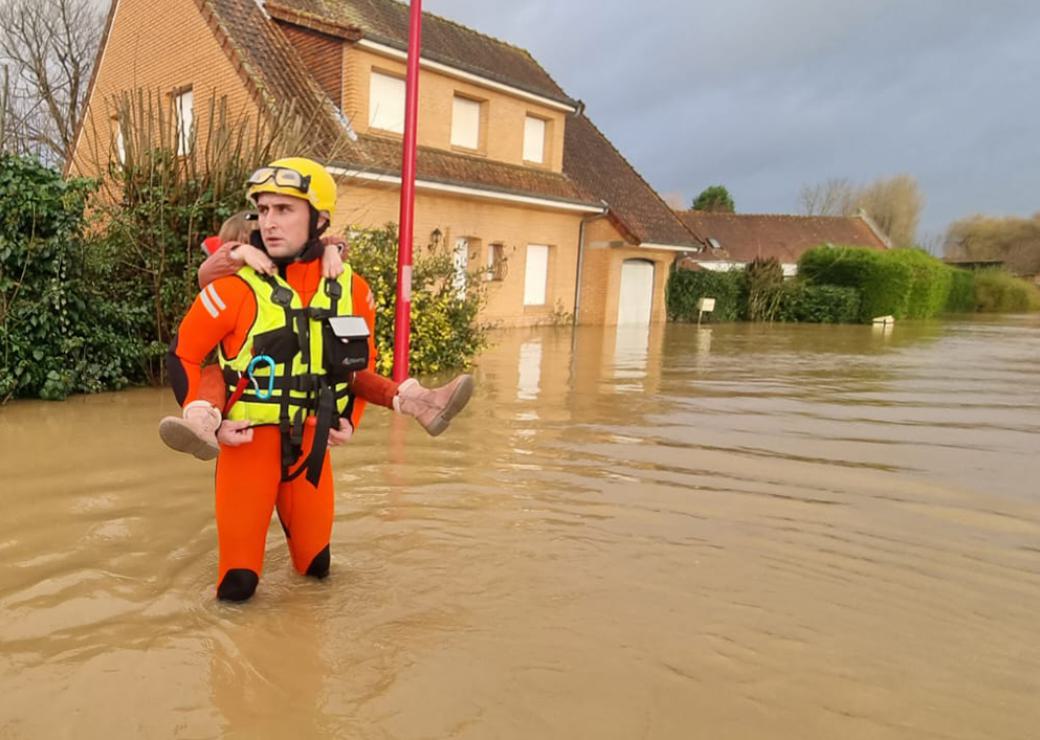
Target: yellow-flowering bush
(446, 330)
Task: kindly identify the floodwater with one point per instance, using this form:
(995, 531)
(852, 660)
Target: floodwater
(725, 532)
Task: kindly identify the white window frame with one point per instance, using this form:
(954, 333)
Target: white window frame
(496, 265)
(536, 275)
(534, 148)
(184, 105)
(460, 259)
(466, 115)
(120, 143)
(386, 94)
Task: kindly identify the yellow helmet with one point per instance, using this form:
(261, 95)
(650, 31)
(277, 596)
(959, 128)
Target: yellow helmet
(296, 177)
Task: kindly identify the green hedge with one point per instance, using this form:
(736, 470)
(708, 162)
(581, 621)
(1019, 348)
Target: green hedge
(998, 291)
(819, 304)
(930, 285)
(962, 292)
(884, 284)
(686, 287)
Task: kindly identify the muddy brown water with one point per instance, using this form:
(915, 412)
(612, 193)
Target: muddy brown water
(725, 532)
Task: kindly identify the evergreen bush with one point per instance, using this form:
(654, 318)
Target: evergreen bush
(819, 304)
(60, 332)
(962, 291)
(686, 287)
(884, 284)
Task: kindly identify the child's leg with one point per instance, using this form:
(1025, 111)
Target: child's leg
(195, 431)
(433, 408)
(212, 387)
(374, 388)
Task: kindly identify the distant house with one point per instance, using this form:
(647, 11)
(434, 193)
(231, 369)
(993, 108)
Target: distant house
(732, 240)
(512, 175)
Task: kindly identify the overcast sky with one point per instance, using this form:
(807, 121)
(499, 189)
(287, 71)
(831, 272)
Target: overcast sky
(764, 96)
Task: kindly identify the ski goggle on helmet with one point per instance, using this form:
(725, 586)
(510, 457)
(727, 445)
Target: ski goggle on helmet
(296, 177)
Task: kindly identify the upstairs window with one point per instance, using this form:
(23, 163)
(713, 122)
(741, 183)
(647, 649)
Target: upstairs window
(465, 123)
(534, 140)
(386, 103)
(184, 106)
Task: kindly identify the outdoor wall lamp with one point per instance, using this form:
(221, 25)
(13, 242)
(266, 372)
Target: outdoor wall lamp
(435, 238)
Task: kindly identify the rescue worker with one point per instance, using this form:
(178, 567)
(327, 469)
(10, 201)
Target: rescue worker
(289, 346)
(194, 432)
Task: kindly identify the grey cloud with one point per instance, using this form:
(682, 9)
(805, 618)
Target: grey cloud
(765, 96)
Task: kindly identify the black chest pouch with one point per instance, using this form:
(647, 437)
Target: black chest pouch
(346, 346)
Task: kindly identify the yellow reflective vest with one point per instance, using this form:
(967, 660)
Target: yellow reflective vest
(293, 340)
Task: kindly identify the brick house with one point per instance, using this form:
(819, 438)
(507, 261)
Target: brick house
(511, 175)
(731, 240)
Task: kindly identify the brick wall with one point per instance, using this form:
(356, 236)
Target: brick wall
(504, 115)
(601, 274)
(323, 56)
(484, 223)
(156, 45)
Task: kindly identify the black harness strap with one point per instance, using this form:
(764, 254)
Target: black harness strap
(320, 397)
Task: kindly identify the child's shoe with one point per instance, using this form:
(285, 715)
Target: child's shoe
(433, 407)
(195, 433)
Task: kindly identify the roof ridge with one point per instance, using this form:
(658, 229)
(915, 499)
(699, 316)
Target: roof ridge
(766, 215)
(496, 162)
(464, 27)
(642, 179)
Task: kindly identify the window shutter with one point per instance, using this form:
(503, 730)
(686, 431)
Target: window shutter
(534, 139)
(185, 106)
(386, 103)
(465, 123)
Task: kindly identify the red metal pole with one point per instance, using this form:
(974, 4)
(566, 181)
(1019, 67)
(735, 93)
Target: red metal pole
(403, 310)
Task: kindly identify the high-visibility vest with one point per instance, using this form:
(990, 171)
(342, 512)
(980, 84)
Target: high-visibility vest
(296, 338)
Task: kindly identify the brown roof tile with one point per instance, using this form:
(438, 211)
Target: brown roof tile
(744, 236)
(383, 155)
(599, 169)
(278, 75)
(386, 21)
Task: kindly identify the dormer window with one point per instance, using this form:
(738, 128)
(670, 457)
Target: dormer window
(534, 140)
(465, 122)
(386, 103)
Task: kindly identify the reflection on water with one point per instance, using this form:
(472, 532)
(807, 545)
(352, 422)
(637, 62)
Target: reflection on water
(530, 371)
(728, 531)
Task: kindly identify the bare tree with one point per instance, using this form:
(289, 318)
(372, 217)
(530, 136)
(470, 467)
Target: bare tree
(1013, 241)
(49, 47)
(894, 203)
(833, 197)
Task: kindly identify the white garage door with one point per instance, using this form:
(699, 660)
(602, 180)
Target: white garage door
(637, 293)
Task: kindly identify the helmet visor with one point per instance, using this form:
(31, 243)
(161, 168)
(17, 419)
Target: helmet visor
(283, 177)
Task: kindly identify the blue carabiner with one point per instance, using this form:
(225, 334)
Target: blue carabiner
(262, 395)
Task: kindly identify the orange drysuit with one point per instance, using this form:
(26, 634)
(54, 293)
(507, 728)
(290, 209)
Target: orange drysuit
(249, 483)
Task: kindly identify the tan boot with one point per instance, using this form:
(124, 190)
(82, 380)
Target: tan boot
(433, 407)
(195, 433)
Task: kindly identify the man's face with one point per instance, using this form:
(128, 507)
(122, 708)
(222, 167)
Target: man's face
(284, 223)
